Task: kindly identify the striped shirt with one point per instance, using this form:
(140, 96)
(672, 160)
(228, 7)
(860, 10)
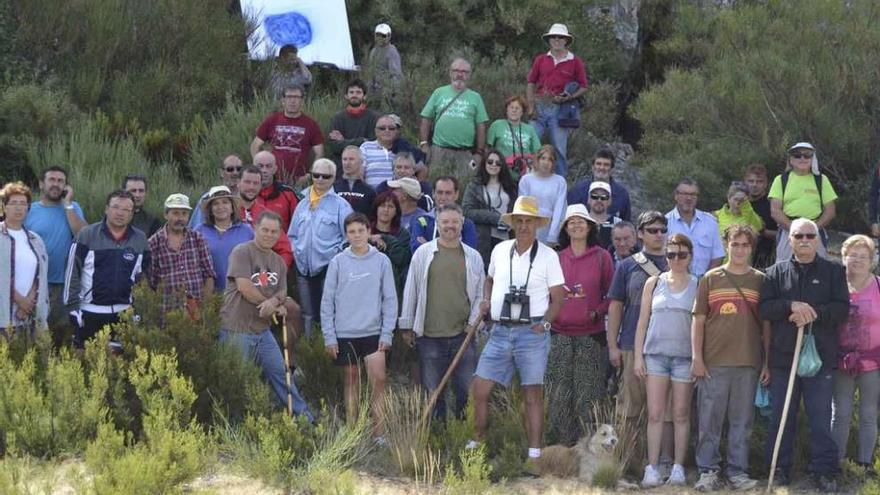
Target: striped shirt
(378, 163)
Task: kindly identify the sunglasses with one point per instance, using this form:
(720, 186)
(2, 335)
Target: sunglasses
(655, 230)
(555, 37)
(493, 161)
(599, 197)
(802, 156)
(386, 128)
(802, 236)
(233, 169)
(322, 176)
(682, 255)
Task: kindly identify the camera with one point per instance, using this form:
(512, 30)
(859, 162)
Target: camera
(515, 296)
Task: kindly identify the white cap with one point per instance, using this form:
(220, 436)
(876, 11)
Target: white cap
(177, 201)
(383, 29)
(598, 184)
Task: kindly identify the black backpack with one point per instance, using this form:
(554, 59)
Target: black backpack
(818, 179)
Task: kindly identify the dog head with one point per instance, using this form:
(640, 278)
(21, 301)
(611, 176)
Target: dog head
(604, 440)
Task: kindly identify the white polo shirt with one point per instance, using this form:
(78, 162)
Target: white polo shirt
(546, 273)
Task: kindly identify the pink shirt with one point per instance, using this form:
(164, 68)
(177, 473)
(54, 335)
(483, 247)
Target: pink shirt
(551, 77)
(861, 332)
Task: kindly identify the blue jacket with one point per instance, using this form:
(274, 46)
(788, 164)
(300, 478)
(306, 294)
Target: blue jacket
(423, 226)
(620, 204)
(101, 270)
(318, 235)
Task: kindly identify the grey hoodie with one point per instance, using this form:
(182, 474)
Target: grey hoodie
(359, 299)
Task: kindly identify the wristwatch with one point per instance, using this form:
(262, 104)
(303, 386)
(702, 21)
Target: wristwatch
(546, 325)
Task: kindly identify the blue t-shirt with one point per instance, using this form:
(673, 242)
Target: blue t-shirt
(221, 245)
(50, 223)
(626, 287)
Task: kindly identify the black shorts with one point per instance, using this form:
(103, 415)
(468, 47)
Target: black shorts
(353, 351)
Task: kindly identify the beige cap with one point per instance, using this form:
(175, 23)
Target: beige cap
(177, 200)
(410, 186)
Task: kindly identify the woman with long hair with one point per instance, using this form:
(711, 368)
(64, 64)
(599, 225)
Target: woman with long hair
(576, 365)
(24, 264)
(222, 230)
(551, 191)
(859, 365)
(663, 353)
(490, 194)
(389, 237)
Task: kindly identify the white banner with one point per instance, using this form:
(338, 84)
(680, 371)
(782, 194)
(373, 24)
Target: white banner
(318, 28)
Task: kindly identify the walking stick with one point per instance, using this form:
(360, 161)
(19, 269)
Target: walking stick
(436, 393)
(286, 364)
(779, 433)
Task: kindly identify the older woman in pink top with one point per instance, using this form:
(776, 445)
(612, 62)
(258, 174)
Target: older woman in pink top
(859, 365)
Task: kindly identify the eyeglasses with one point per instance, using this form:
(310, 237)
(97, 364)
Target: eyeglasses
(557, 37)
(23, 204)
(801, 236)
(232, 169)
(119, 208)
(600, 197)
(322, 176)
(688, 194)
(655, 230)
(682, 255)
(380, 35)
(386, 128)
(493, 161)
(802, 156)
(858, 257)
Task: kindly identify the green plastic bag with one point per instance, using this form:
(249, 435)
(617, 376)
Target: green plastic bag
(809, 362)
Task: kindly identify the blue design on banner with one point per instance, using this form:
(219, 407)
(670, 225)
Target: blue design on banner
(290, 28)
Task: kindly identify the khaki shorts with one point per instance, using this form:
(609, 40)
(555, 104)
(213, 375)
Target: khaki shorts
(632, 390)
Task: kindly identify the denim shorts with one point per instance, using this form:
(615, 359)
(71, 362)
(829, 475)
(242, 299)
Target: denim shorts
(512, 347)
(676, 368)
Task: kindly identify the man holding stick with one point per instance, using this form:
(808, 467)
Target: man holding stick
(444, 287)
(256, 290)
(805, 290)
(525, 301)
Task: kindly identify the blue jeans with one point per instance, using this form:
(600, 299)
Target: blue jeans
(263, 348)
(311, 289)
(547, 119)
(435, 356)
(515, 347)
(816, 392)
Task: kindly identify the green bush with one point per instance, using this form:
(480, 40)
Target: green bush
(754, 96)
(473, 477)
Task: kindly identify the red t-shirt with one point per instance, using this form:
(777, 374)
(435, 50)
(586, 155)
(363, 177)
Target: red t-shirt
(291, 140)
(551, 78)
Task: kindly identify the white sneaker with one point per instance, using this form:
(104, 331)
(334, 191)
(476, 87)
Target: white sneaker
(677, 477)
(741, 481)
(472, 445)
(652, 477)
(708, 482)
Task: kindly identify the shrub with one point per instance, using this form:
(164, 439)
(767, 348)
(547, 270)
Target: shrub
(754, 96)
(407, 436)
(473, 478)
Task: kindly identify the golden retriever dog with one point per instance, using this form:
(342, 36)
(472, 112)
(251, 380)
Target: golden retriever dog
(582, 460)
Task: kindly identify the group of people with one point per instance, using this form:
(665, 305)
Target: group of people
(570, 287)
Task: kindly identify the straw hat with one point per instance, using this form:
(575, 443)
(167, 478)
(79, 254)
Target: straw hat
(525, 206)
(578, 210)
(558, 30)
(219, 192)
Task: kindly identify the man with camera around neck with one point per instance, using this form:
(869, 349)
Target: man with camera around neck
(522, 305)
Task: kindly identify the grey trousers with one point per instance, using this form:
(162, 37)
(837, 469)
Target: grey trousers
(844, 396)
(730, 394)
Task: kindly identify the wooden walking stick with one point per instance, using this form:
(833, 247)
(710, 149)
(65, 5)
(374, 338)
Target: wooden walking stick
(470, 330)
(287, 376)
(781, 430)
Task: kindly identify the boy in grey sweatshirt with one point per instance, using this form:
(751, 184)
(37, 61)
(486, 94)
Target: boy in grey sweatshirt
(358, 315)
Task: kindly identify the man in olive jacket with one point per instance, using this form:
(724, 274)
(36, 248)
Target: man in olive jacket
(806, 291)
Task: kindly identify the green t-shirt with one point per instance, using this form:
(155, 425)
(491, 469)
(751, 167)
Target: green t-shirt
(456, 128)
(448, 308)
(522, 140)
(801, 197)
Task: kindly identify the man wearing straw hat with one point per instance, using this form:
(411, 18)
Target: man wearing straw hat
(522, 304)
(556, 77)
(809, 292)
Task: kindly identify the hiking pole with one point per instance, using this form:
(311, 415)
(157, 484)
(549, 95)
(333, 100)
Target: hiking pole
(791, 375)
(436, 393)
(287, 377)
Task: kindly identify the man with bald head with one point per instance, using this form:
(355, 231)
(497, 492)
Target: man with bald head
(350, 184)
(458, 117)
(274, 195)
(230, 173)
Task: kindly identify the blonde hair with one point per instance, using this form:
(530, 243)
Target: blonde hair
(858, 241)
(547, 150)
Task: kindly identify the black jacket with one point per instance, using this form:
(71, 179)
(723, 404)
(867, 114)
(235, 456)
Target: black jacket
(822, 285)
(360, 197)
